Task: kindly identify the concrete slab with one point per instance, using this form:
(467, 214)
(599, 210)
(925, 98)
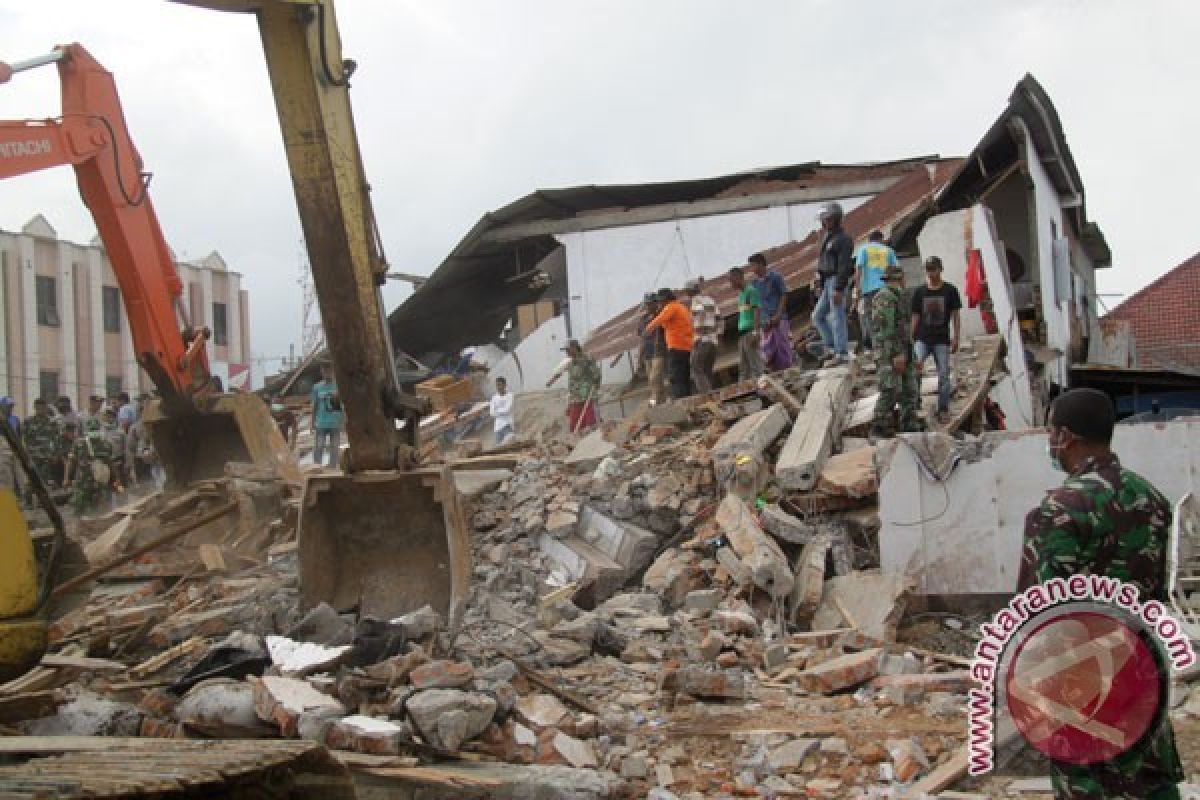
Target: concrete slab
(750, 435)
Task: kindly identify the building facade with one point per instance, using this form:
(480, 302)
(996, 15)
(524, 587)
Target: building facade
(63, 326)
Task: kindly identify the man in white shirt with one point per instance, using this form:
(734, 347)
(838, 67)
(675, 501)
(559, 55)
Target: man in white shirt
(502, 412)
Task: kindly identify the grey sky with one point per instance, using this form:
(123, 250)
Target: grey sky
(464, 106)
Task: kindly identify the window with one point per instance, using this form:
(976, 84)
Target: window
(111, 296)
(112, 386)
(220, 324)
(48, 386)
(47, 301)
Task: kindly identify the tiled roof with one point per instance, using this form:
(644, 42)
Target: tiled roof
(1164, 318)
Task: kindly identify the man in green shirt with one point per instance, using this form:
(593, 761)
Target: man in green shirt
(750, 363)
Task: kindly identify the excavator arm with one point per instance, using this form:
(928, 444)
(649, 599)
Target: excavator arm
(195, 430)
(91, 136)
(384, 538)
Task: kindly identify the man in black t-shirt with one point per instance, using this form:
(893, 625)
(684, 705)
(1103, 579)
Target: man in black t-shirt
(935, 309)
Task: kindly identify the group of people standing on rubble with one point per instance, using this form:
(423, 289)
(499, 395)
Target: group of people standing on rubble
(91, 453)
(680, 331)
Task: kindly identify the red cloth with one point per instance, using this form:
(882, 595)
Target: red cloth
(581, 415)
(976, 281)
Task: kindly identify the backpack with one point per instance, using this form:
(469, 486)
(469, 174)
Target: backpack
(100, 470)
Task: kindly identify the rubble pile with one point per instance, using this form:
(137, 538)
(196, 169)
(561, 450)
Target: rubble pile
(682, 604)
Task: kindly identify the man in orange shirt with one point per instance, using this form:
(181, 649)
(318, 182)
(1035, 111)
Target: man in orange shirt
(676, 321)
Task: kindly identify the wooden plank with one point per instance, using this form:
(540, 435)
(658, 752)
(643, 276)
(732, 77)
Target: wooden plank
(61, 660)
(213, 558)
(179, 532)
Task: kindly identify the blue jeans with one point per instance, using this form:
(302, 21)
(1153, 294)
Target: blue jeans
(832, 336)
(941, 357)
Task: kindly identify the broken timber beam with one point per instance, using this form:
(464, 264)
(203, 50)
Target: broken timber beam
(816, 428)
(166, 538)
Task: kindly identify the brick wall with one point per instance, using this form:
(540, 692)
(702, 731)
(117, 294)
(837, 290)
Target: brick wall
(1166, 318)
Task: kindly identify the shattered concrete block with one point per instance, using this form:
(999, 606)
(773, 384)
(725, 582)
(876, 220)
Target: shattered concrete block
(634, 765)
(759, 552)
(775, 655)
(908, 759)
(672, 575)
(631, 546)
(750, 436)
(395, 670)
(810, 579)
(840, 673)
(282, 700)
(736, 568)
(711, 645)
(869, 601)
(790, 755)
(577, 753)
(739, 623)
(448, 717)
(561, 523)
(956, 681)
(221, 708)
(729, 684)
(363, 734)
(589, 452)
(297, 659)
(703, 600)
(541, 711)
(851, 474)
(805, 451)
(442, 675)
(784, 526)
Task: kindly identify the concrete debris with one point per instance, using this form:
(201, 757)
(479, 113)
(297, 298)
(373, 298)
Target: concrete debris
(682, 604)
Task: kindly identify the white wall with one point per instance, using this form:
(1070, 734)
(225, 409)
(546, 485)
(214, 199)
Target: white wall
(538, 355)
(609, 270)
(1049, 218)
(964, 536)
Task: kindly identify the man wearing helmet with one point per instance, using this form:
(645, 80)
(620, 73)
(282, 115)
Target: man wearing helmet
(835, 267)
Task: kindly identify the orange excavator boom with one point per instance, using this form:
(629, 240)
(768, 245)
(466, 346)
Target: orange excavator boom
(91, 136)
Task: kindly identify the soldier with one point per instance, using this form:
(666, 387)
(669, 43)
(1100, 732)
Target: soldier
(66, 443)
(893, 359)
(91, 458)
(43, 443)
(1103, 520)
(117, 441)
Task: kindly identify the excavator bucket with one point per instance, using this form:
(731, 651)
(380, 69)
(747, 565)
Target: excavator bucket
(196, 446)
(384, 543)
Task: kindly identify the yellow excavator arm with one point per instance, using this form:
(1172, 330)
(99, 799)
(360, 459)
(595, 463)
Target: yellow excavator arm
(384, 538)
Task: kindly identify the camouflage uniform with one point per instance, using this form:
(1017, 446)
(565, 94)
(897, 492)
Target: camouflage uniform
(43, 443)
(890, 336)
(92, 446)
(1106, 520)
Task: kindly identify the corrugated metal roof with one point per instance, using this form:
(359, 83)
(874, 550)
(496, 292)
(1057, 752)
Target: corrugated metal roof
(888, 211)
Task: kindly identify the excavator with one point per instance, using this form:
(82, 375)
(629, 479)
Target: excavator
(384, 536)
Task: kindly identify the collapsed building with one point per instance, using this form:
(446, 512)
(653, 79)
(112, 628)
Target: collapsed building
(734, 594)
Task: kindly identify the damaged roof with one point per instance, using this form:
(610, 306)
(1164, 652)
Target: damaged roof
(1029, 106)
(494, 268)
(892, 211)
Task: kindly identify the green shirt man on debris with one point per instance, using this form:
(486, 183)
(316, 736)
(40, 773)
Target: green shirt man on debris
(893, 359)
(1103, 520)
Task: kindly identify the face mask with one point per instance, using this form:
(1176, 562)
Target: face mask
(1053, 456)
(277, 407)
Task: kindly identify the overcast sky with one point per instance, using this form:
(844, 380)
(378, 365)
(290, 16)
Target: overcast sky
(463, 106)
